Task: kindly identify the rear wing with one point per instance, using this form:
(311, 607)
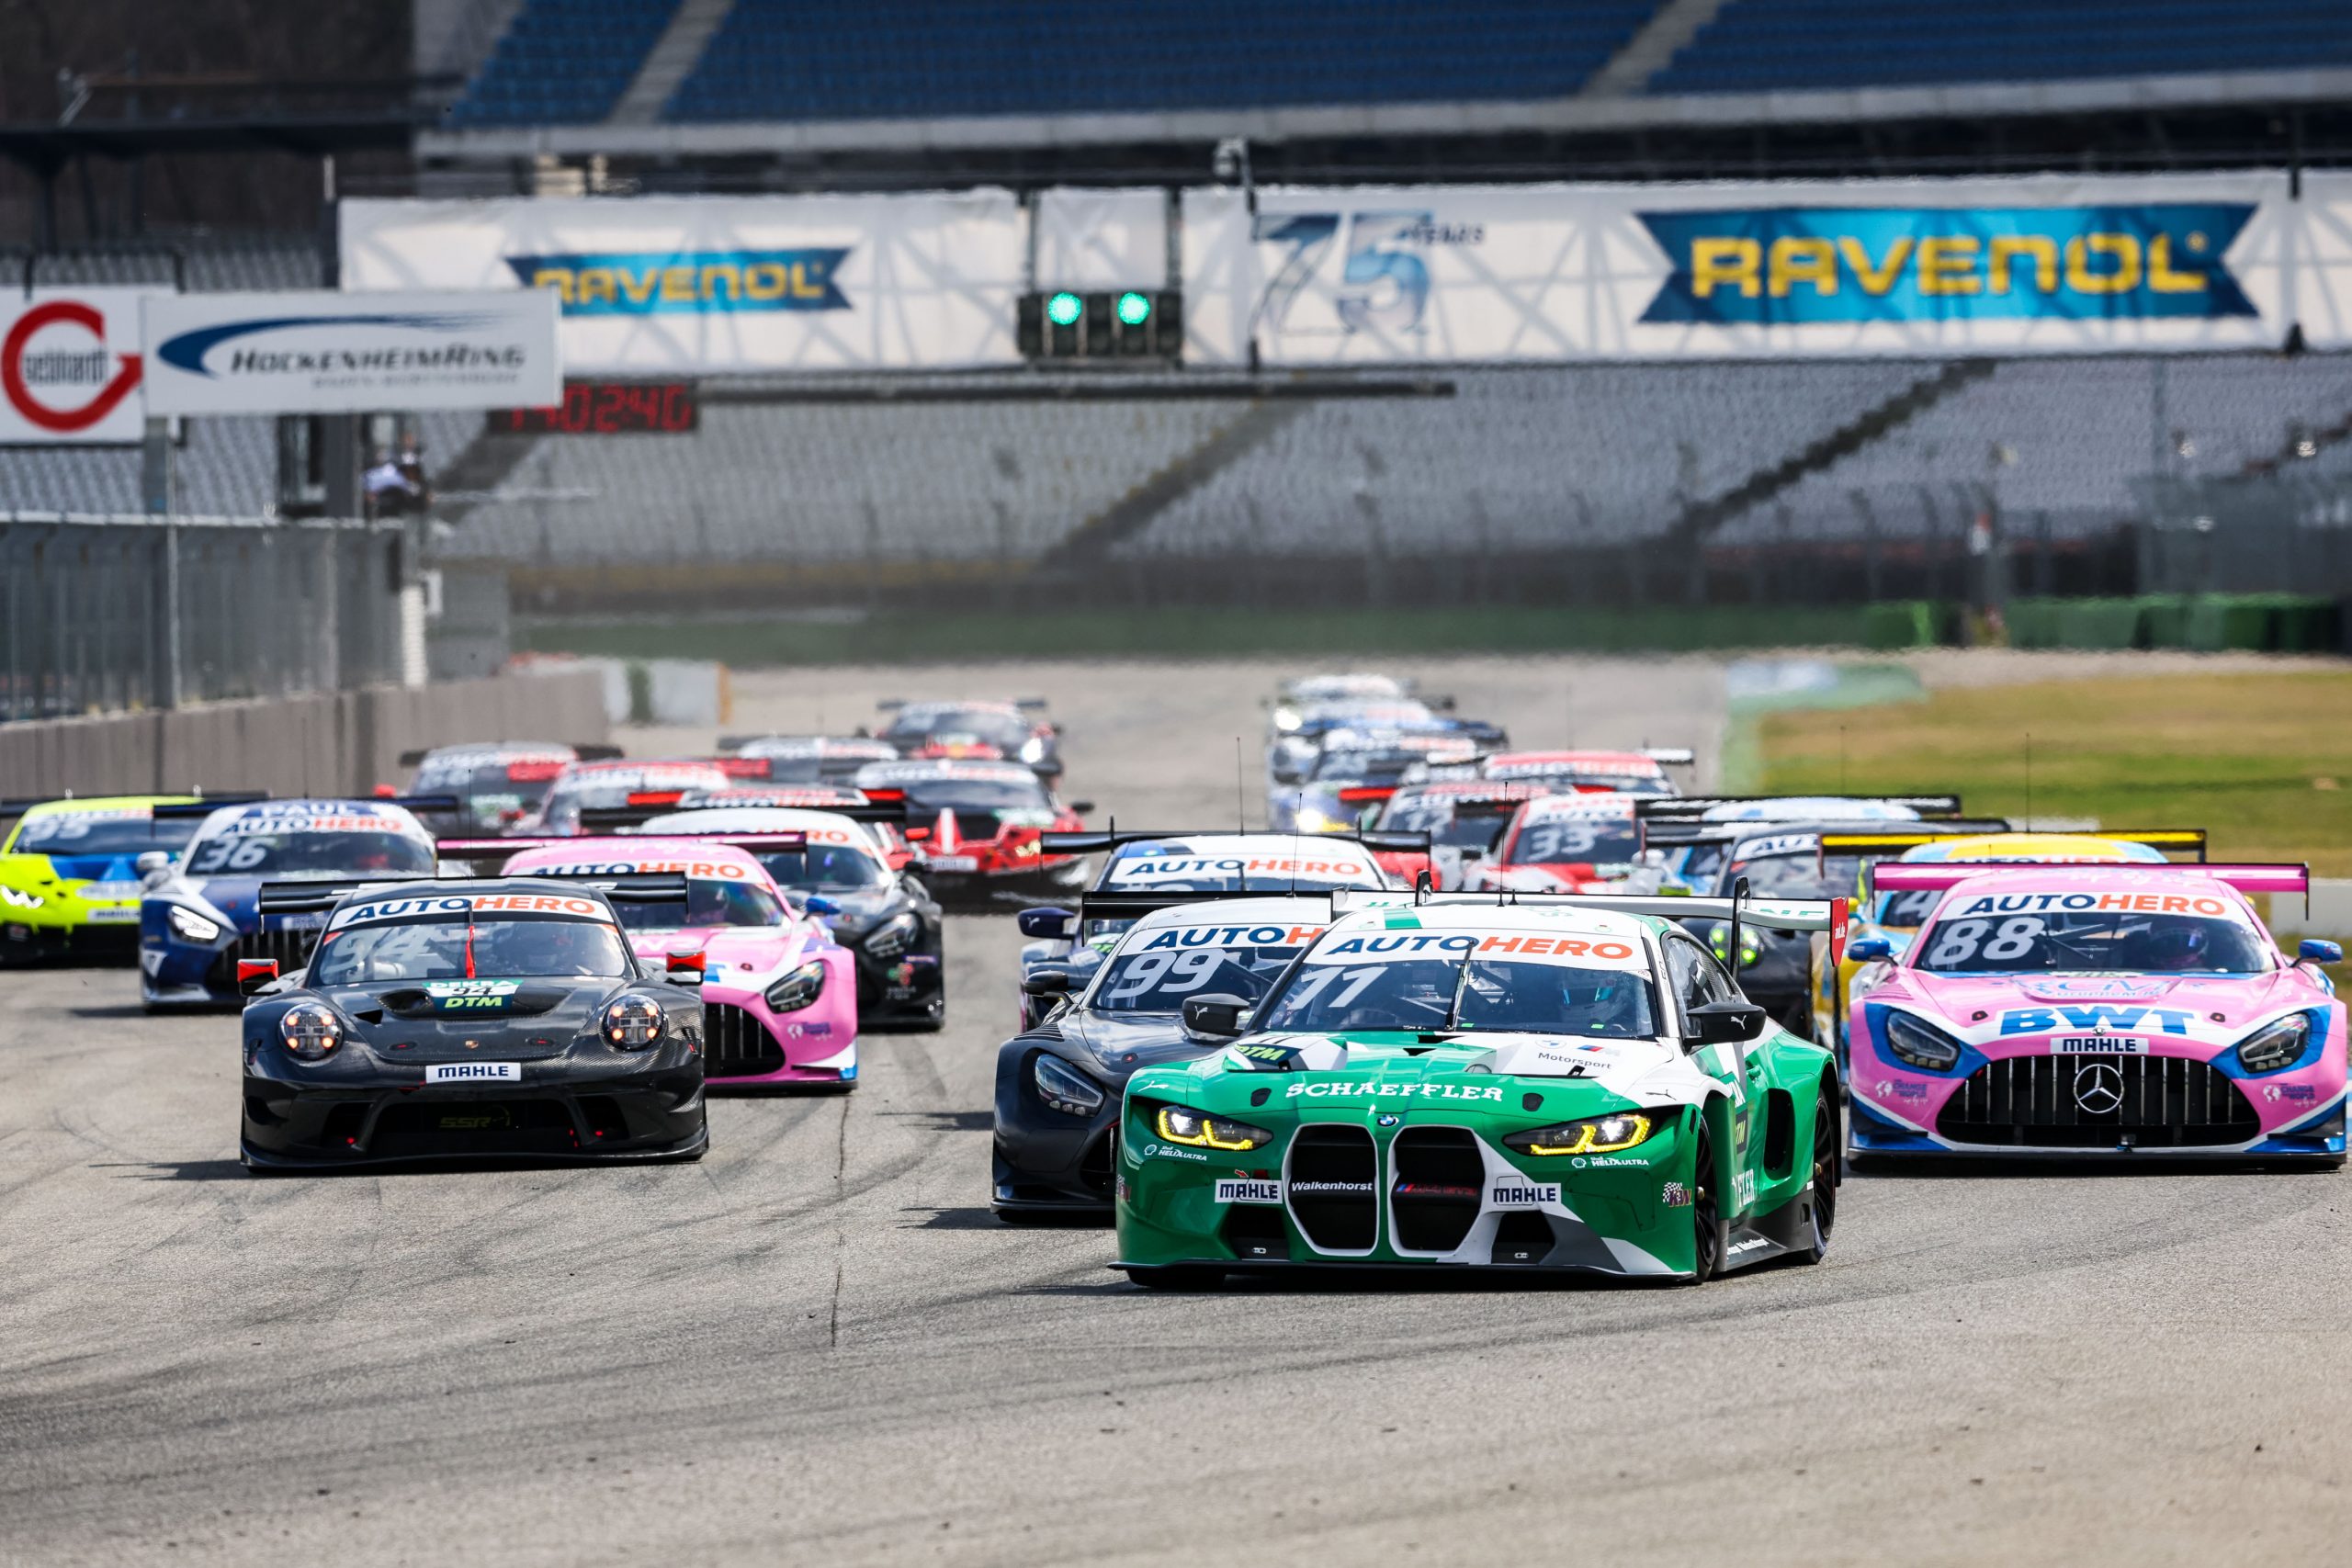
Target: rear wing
(1774, 914)
(626, 888)
(596, 753)
(292, 897)
(1087, 843)
(1671, 756)
(209, 800)
(494, 849)
(200, 809)
(859, 811)
(1892, 841)
(1828, 915)
(1929, 806)
(1905, 876)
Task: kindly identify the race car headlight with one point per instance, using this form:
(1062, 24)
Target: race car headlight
(1285, 720)
(1593, 1135)
(311, 1032)
(193, 927)
(20, 898)
(1197, 1129)
(633, 1022)
(1034, 749)
(1062, 1086)
(1916, 1044)
(2280, 1045)
(1311, 820)
(893, 936)
(798, 989)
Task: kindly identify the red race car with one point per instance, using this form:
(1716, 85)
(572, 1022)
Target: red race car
(977, 826)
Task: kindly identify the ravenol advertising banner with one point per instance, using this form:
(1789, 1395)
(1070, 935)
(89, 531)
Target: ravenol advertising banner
(1908, 268)
(712, 285)
(70, 368)
(320, 352)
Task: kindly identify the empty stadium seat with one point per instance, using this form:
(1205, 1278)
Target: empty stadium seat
(804, 59)
(1755, 46)
(563, 61)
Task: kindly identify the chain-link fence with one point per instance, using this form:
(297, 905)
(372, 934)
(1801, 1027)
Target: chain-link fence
(113, 614)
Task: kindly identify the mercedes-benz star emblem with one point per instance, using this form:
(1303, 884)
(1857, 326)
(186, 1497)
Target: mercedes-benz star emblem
(2098, 1088)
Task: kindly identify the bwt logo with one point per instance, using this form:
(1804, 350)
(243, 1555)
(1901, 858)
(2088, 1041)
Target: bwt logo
(664, 283)
(1795, 265)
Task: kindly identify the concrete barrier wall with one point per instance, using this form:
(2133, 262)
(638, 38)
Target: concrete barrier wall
(332, 744)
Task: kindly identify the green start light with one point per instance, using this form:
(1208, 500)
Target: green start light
(1134, 309)
(1062, 309)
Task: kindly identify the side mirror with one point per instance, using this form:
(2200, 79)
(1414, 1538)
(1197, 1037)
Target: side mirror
(1215, 1017)
(684, 969)
(2313, 950)
(1722, 1023)
(255, 974)
(1874, 949)
(916, 835)
(1082, 807)
(817, 904)
(1047, 981)
(386, 791)
(1048, 924)
(1288, 773)
(153, 863)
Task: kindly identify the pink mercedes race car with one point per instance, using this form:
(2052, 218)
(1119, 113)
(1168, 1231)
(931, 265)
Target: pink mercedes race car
(779, 996)
(2097, 1010)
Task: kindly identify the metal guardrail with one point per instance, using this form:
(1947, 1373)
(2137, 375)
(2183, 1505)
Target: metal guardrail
(112, 613)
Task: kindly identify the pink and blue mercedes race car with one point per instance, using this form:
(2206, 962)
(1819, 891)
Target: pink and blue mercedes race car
(2097, 1010)
(779, 996)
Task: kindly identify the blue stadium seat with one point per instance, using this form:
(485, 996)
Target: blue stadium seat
(1755, 46)
(563, 61)
(808, 59)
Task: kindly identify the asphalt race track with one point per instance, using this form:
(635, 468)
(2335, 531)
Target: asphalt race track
(818, 1346)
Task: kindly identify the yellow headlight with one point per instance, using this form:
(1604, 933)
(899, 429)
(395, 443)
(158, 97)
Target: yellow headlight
(1181, 1124)
(1601, 1136)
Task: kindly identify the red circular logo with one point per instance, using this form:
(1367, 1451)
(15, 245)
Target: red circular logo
(64, 422)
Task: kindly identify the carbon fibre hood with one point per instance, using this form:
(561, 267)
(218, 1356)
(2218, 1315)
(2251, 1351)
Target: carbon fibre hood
(453, 1020)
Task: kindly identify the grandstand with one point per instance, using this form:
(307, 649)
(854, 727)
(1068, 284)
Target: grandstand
(835, 479)
(1062, 72)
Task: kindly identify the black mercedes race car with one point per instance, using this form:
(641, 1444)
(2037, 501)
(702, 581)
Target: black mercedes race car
(1058, 1084)
(456, 1019)
(887, 919)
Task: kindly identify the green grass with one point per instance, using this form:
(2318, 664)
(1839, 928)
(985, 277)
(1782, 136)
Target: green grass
(907, 637)
(2262, 762)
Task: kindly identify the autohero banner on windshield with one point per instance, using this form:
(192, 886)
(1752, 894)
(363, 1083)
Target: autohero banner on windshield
(1230, 871)
(1155, 971)
(1585, 951)
(376, 911)
(649, 865)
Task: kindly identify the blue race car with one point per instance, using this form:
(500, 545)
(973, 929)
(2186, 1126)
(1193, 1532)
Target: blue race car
(257, 883)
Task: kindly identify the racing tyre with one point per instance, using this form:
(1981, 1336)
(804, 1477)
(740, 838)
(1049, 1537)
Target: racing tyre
(1706, 1214)
(1827, 1141)
(1180, 1276)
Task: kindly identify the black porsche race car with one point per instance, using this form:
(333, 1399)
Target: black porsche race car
(1058, 1083)
(468, 1019)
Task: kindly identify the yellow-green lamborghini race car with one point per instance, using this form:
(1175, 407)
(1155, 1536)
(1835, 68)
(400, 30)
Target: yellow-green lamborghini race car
(70, 877)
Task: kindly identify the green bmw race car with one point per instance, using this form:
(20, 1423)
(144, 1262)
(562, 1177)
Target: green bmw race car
(69, 873)
(1562, 1084)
